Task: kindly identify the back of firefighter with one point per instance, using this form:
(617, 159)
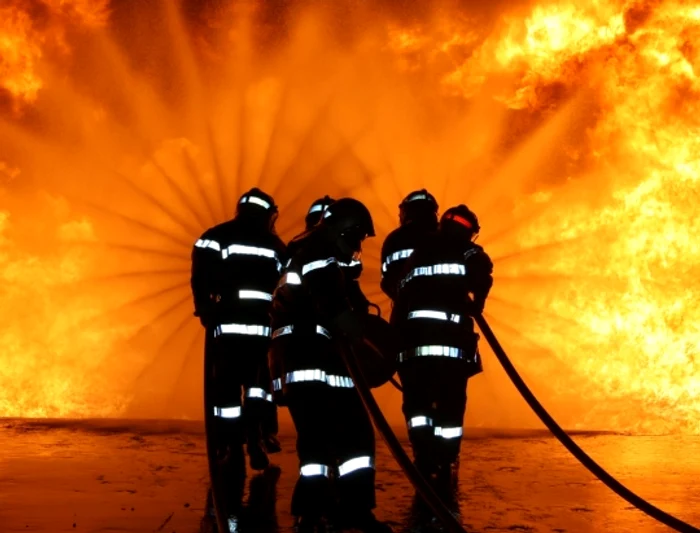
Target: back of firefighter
(312, 320)
(233, 293)
(446, 281)
(417, 217)
(352, 269)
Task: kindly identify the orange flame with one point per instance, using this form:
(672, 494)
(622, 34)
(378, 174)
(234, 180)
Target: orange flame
(22, 44)
(570, 129)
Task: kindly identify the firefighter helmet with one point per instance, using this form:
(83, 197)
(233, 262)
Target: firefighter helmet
(316, 211)
(255, 204)
(350, 223)
(460, 218)
(418, 205)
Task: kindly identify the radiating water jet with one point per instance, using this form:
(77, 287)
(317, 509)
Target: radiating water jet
(124, 157)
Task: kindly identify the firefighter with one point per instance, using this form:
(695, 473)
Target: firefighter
(312, 319)
(445, 282)
(418, 215)
(352, 270)
(235, 269)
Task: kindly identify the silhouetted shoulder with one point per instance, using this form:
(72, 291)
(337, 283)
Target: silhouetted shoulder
(475, 254)
(474, 249)
(309, 246)
(213, 237)
(279, 244)
(390, 242)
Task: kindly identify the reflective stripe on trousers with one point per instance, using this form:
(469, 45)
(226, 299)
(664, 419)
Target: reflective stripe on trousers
(242, 329)
(286, 330)
(314, 469)
(314, 374)
(227, 412)
(354, 464)
(432, 351)
(451, 432)
(345, 468)
(257, 392)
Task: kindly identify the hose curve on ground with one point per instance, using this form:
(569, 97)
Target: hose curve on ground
(420, 484)
(597, 470)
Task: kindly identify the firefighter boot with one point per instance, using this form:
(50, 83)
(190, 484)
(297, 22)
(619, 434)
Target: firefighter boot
(309, 524)
(258, 457)
(272, 444)
(426, 466)
(447, 481)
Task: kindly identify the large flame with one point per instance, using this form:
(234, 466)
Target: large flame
(570, 127)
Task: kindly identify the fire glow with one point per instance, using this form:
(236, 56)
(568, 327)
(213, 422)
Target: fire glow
(571, 128)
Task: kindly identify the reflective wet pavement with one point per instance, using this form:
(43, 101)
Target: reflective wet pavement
(95, 476)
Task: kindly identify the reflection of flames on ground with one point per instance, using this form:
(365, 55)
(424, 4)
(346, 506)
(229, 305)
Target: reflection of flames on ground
(570, 127)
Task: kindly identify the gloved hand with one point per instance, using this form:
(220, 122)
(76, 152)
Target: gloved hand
(350, 325)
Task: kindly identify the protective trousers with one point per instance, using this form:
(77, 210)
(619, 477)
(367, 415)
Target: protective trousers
(240, 384)
(434, 403)
(335, 446)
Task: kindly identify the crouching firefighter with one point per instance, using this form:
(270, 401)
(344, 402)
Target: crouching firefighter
(352, 270)
(418, 216)
(312, 319)
(446, 280)
(235, 269)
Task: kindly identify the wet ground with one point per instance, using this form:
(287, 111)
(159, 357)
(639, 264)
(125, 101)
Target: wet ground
(117, 476)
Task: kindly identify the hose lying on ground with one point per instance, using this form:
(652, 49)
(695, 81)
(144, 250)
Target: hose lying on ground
(421, 485)
(569, 444)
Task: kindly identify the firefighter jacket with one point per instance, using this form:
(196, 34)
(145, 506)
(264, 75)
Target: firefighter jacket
(311, 294)
(433, 308)
(235, 269)
(397, 248)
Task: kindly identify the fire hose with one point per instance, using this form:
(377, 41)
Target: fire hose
(442, 513)
(417, 480)
(597, 470)
(431, 498)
